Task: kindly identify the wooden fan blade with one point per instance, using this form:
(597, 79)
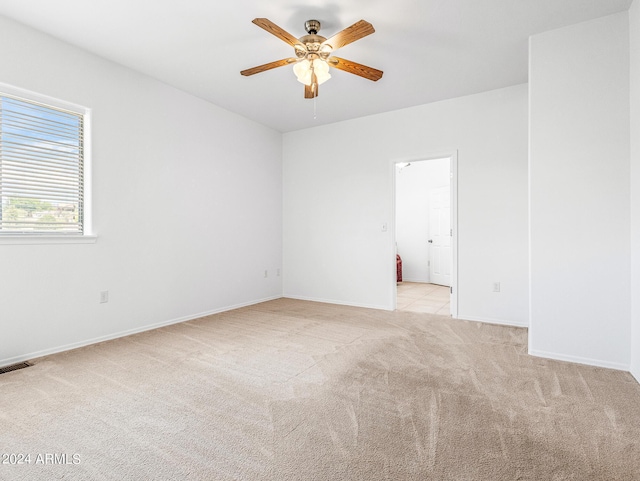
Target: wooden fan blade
(268, 66)
(273, 29)
(310, 91)
(350, 34)
(355, 68)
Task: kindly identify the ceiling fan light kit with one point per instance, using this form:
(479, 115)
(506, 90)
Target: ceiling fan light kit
(314, 54)
(305, 70)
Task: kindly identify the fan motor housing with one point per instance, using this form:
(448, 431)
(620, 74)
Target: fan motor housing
(312, 42)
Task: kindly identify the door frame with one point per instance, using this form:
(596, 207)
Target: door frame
(452, 155)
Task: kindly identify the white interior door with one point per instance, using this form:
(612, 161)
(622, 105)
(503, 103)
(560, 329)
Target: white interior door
(440, 259)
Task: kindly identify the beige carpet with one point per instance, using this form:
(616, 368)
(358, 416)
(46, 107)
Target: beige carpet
(293, 390)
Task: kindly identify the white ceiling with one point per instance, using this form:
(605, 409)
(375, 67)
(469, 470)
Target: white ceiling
(430, 50)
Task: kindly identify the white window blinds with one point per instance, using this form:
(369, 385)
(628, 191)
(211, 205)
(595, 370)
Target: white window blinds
(41, 169)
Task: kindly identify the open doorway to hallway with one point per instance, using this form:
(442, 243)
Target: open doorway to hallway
(421, 297)
(424, 235)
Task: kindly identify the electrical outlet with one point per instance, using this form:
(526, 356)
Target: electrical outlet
(496, 287)
(104, 297)
(266, 273)
(278, 272)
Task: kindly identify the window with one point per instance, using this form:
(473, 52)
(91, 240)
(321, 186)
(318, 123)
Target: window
(42, 167)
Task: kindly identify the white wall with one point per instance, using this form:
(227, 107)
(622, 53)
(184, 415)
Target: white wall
(579, 193)
(634, 24)
(413, 185)
(188, 213)
(337, 197)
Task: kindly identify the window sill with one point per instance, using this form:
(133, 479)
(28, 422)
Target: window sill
(47, 239)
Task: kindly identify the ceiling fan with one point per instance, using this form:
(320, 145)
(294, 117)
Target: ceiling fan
(314, 54)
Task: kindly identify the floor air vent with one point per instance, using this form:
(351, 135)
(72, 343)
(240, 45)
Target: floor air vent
(14, 367)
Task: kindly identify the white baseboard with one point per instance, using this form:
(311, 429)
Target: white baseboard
(419, 281)
(489, 320)
(636, 373)
(75, 345)
(579, 360)
(341, 303)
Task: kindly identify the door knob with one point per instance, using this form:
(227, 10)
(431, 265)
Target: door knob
(430, 241)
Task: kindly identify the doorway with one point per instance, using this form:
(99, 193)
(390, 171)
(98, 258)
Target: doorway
(425, 298)
(424, 233)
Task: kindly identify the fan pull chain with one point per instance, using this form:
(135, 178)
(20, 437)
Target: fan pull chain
(314, 108)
